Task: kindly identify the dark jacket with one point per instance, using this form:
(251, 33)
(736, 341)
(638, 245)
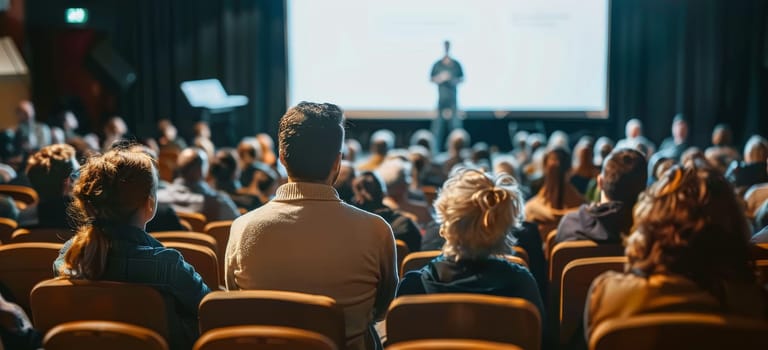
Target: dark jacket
(136, 257)
(599, 222)
(490, 276)
(403, 227)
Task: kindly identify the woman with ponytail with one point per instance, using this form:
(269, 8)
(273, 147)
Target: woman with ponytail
(476, 214)
(112, 201)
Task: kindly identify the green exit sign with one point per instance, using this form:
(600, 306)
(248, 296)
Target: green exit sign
(76, 15)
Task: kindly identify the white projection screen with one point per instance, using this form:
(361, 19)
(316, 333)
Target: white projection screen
(374, 58)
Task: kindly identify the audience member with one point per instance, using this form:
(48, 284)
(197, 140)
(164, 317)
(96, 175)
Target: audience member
(755, 196)
(633, 132)
(395, 174)
(165, 218)
(169, 136)
(16, 332)
(622, 179)
(559, 139)
(307, 240)
(352, 150)
(457, 140)
(603, 147)
(423, 172)
(673, 147)
(584, 170)
(30, 134)
(721, 153)
(203, 139)
(681, 222)
(753, 170)
(114, 131)
(225, 171)
(53, 172)
(556, 197)
(382, 141)
(256, 177)
(268, 155)
(368, 194)
(761, 220)
(424, 138)
(476, 213)
(190, 193)
(113, 201)
(343, 183)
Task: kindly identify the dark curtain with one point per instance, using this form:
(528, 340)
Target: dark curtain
(172, 41)
(703, 58)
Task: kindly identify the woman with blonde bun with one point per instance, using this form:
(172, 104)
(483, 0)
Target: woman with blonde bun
(477, 214)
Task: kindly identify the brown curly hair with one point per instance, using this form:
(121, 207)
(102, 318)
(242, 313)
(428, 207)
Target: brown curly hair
(691, 223)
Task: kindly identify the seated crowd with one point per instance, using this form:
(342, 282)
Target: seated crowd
(319, 216)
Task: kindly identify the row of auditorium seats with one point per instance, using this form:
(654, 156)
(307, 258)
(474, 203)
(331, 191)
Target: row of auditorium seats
(73, 312)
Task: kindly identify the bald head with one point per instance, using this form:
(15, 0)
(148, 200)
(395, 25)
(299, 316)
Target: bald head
(192, 164)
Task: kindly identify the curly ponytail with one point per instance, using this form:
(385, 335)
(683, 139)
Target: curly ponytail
(111, 190)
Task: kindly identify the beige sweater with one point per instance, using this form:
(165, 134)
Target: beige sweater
(307, 240)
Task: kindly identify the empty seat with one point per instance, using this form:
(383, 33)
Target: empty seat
(202, 258)
(196, 220)
(50, 235)
(574, 286)
(315, 313)
(61, 300)
(680, 331)
(187, 237)
(562, 254)
(549, 243)
(263, 338)
(451, 344)
(98, 335)
(219, 230)
(464, 316)
(23, 265)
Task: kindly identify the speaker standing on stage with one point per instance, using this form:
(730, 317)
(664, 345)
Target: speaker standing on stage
(447, 74)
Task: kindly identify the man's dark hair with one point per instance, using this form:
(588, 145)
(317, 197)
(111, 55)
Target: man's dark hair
(310, 138)
(624, 175)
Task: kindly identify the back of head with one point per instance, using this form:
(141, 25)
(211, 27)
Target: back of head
(225, 165)
(582, 153)
(394, 173)
(756, 149)
(192, 164)
(624, 176)
(457, 140)
(249, 150)
(425, 138)
(477, 213)
(113, 189)
(49, 169)
(683, 221)
(368, 191)
(559, 139)
(343, 183)
(633, 128)
(603, 147)
(722, 135)
(382, 141)
(310, 138)
(556, 164)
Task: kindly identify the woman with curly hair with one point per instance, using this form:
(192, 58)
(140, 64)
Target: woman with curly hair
(688, 253)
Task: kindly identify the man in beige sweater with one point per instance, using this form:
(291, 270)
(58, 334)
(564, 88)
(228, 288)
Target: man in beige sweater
(307, 240)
